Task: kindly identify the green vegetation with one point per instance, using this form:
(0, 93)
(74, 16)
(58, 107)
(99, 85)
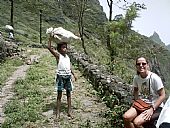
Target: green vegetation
(7, 68)
(30, 94)
(126, 45)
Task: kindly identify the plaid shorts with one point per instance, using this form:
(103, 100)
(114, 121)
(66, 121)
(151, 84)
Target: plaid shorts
(63, 82)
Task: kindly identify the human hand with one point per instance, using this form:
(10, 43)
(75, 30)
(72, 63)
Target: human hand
(133, 100)
(51, 37)
(148, 114)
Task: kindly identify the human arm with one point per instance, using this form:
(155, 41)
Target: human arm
(159, 90)
(135, 93)
(135, 88)
(56, 54)
(160, 99)
(149, 112)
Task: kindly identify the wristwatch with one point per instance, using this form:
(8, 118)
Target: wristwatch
(153, 108)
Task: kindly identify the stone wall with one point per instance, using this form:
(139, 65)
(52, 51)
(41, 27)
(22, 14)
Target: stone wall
(104, 83)
(8, 48)
(2, 49)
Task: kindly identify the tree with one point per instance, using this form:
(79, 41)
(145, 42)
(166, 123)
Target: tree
(40, 26)
(110, 4)
(11, 19)
(80, 9)
(121, 26)
(124, 24)
(12, 8)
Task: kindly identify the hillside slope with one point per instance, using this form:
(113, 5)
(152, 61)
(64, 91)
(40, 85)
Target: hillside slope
(27, 30)
(26, 17)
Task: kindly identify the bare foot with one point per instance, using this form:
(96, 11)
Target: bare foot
(58, 115)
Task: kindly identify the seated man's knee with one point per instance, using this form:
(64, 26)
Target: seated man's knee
(137, 123)
(126, 117)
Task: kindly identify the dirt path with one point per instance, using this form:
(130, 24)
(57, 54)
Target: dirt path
(87, 110)
(7, 93)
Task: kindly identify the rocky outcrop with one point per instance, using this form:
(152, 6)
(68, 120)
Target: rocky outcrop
(8, 48)
(155, 37)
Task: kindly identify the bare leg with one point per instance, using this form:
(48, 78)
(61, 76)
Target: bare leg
(139, 120)
(128, 117)
(69, 103)
(58, 104)
(128, 124)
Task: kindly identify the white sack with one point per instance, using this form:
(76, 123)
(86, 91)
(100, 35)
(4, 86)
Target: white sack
(165, 114)
(61, 34)
(9, 27)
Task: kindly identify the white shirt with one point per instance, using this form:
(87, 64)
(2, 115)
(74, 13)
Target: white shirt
(11, 36)
(64, 65)
(143, 86)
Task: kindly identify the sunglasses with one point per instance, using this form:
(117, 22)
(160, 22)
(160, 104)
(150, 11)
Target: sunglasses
(143, 64)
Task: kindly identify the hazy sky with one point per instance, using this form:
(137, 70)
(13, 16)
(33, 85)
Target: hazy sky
(155, 18)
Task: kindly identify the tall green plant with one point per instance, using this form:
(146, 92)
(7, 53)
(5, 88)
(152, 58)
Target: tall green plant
(120, 28)
(80, 7)
(122, 40)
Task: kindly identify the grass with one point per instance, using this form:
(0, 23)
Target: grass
(101, 54)
(8, 67)
(26, 107)
(28, 103)
(31, 98)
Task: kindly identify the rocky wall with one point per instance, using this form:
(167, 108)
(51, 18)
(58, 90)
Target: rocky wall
(104, 83)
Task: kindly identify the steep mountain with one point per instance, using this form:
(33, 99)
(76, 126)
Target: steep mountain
(56, 13)
(26, 17)
(168, 47)
(155, 37)
(63, 13)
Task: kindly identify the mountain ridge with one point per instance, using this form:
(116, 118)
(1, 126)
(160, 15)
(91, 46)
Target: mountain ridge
(55, 14)
(156, 38)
